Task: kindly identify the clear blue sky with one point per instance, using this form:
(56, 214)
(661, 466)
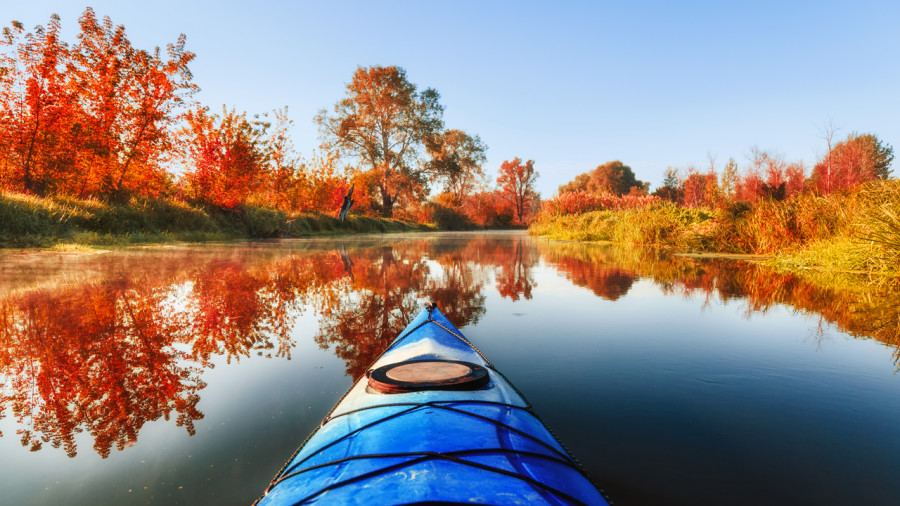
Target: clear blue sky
(567, 84)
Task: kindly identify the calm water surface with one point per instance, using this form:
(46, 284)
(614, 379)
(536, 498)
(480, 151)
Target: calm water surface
(188, 375)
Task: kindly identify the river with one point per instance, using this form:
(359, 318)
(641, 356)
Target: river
(189, 374)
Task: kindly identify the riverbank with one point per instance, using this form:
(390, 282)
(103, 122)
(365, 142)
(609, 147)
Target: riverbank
(60, 222)
(856, 231)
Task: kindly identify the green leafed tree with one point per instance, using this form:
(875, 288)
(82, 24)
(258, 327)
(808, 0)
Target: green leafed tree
(728, 181)
(456, 159)
(672, 188)
(382, 124)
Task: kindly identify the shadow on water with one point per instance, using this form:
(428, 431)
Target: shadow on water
(127, 340)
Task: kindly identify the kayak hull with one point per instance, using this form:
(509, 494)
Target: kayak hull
(477, 446)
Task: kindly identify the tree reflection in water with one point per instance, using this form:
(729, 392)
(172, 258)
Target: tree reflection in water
(96, 358)
(107, 355)
(855, 304)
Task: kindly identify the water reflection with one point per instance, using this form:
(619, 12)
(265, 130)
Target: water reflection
(855, 304)
(127, 341)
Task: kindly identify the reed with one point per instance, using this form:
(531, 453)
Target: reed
(880, 223)
(775, 226)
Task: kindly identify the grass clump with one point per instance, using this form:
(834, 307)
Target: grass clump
(661, 224)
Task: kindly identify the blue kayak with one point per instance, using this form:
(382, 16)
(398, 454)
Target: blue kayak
(432, 421)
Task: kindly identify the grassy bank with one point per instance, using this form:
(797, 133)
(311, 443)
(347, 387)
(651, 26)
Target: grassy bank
(857, 231)
(27, 221)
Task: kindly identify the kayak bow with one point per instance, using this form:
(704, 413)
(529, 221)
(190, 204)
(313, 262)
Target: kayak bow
(432, 421)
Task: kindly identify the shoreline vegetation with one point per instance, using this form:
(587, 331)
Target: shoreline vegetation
(66, 223)
(856, 231)
(98, 120)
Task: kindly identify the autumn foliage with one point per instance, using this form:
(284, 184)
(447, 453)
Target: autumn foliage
(94, 118)
(227, 158)
(516, 185)
(839, 217)
(100, 118)
(856, 160)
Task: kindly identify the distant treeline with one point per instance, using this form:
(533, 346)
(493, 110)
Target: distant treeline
(858, 159)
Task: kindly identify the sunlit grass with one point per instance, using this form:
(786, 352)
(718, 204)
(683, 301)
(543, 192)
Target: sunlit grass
(27, 221)
(73, 248)
(843, 254)
(658, 225)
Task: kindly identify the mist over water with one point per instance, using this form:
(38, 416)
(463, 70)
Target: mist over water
(189, 374)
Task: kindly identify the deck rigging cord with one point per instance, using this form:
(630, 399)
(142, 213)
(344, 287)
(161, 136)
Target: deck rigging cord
(424, 456)
(414, 406)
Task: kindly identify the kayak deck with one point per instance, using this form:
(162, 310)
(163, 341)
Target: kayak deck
(478, 446)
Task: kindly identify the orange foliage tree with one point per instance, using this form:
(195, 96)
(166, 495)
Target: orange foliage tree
(381, 124)
(700, 189)
(456, 158)
(488, 208)
(769, 176)
(314, 186)
(516, 182)
(611, 177)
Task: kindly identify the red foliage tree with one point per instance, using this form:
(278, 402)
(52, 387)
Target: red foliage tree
(516, 182)
(856, 160)
(38, 115)
(228, 155)
(94, 119)
(381, 124)
(129, 98)
(611, 177)
(700, 189)
(488, 209)
(769, 176)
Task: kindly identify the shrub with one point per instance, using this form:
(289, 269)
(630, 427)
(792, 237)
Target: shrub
(447, 218)
(262, 221)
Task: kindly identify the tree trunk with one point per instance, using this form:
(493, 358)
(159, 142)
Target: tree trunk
(387, 204)
(345, 207)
